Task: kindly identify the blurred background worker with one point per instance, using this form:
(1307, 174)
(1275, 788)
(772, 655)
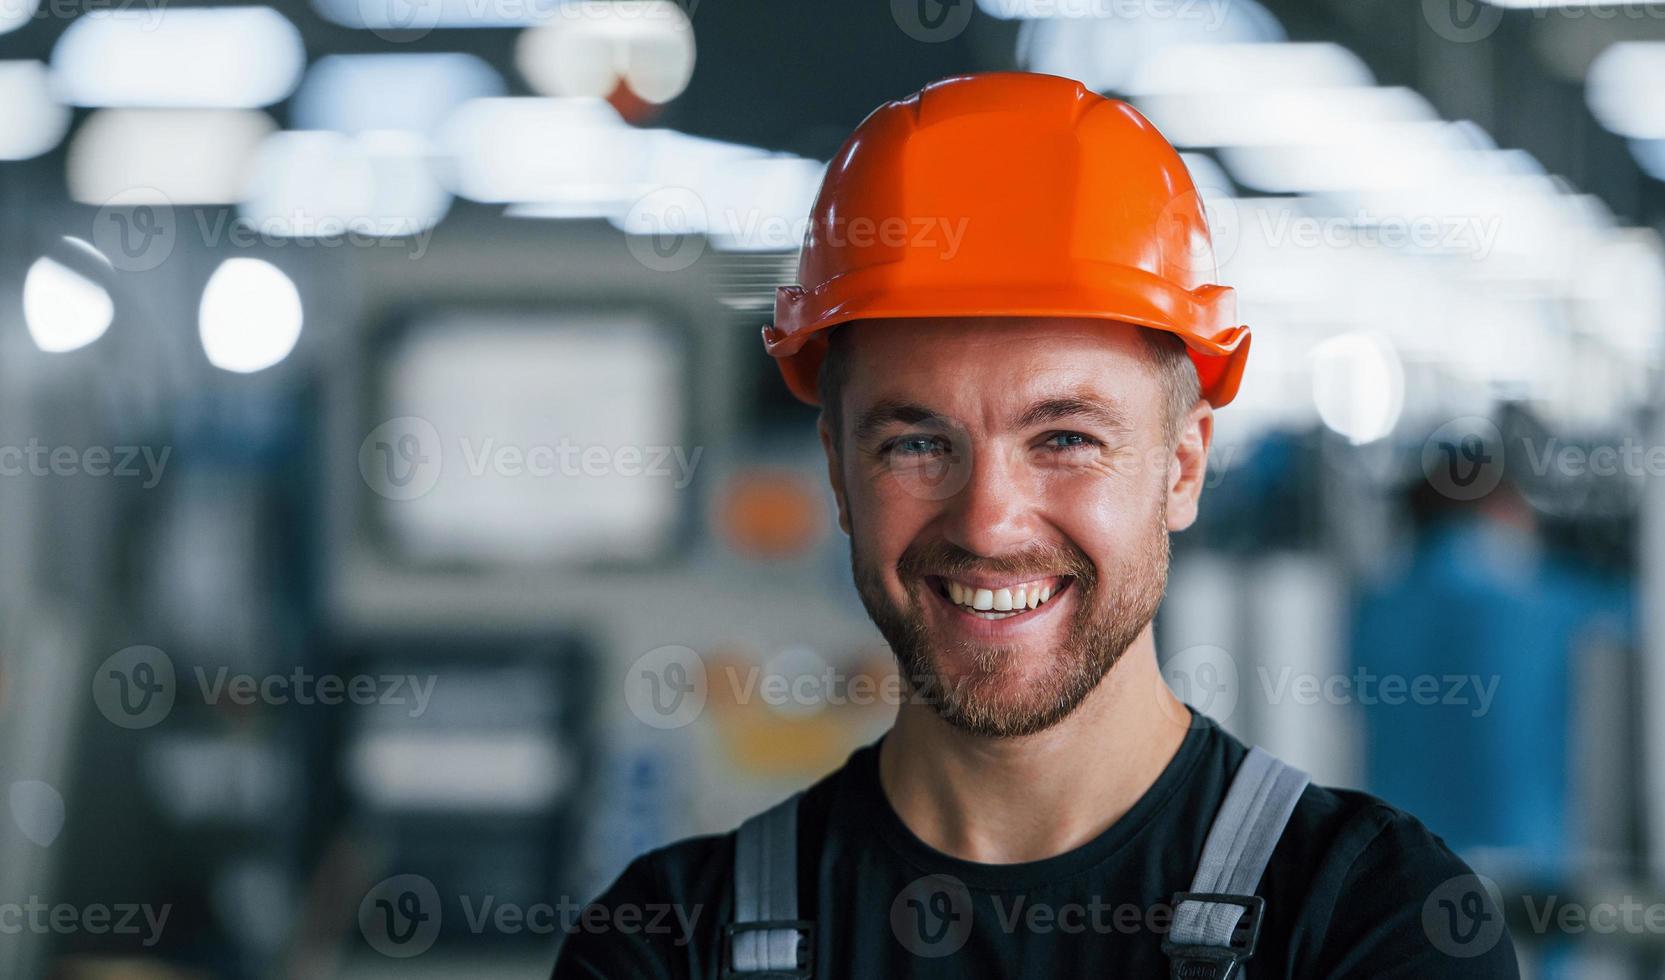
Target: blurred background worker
(399, 528)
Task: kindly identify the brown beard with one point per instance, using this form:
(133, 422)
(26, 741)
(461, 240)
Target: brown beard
(1109, 616)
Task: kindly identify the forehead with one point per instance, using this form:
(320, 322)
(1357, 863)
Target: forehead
(993, 368)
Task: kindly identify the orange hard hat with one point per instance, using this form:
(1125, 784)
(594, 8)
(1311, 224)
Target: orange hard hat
(1008, 194)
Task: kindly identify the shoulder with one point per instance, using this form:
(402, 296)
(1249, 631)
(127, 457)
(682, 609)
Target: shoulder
(1384, 895)
(663, 916)
(650, 920)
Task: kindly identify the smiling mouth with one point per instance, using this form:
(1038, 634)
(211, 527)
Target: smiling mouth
(1007, 602)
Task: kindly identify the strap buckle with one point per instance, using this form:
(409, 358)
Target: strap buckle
(803, 969)
(1189, 961)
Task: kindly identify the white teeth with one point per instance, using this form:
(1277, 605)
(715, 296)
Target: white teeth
(994, 602)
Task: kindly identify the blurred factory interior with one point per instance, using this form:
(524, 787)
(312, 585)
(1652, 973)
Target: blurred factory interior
(380, 389)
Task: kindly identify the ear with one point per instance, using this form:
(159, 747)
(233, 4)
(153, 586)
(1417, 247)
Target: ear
(1188, 466)
(835, 472)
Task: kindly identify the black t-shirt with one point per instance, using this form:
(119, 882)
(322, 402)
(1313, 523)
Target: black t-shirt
(1355, 888)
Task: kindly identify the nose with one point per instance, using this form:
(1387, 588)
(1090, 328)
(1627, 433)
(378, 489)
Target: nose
(993, 514)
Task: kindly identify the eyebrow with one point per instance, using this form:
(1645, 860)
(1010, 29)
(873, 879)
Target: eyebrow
(1084, 407)
(1046, 412)
(890, 412)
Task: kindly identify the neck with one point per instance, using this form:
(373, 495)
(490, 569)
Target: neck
(1004, 801)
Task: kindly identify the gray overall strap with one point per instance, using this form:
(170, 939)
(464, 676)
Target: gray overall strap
(764, 938)
(1217, 922)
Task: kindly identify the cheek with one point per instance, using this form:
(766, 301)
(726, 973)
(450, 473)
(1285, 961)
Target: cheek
(885, 517)
(1106, 516)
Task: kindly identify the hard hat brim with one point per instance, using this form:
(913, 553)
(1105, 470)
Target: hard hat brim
(1204, 318)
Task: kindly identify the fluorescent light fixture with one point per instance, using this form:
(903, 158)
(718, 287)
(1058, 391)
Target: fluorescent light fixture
(514, 771)
(542, 428)
(1278, 116)
(323, 184)
(647, 44)
(1553, 4)
(63, 309)
(1106, 54)
(1624, 86)
(250, 316)
(419, 16)
(1358, 386)
(219, 57)
(357, 92)
(164, 156)
(1242, 68)
(538, 149)
(34, 121)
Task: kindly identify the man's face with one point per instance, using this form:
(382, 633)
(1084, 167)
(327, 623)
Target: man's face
(1005, 484)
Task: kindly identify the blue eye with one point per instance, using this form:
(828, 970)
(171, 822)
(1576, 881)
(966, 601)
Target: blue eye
(918, 446)
(1067, 440)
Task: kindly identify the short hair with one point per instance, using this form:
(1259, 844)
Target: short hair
(1181, 388)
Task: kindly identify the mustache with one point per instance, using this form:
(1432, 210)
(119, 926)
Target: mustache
(949, 560)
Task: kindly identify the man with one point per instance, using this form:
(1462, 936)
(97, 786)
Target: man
(1005, 313)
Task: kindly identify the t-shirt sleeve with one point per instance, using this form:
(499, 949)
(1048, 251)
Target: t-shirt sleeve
(623, 933)
(1408, 907)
